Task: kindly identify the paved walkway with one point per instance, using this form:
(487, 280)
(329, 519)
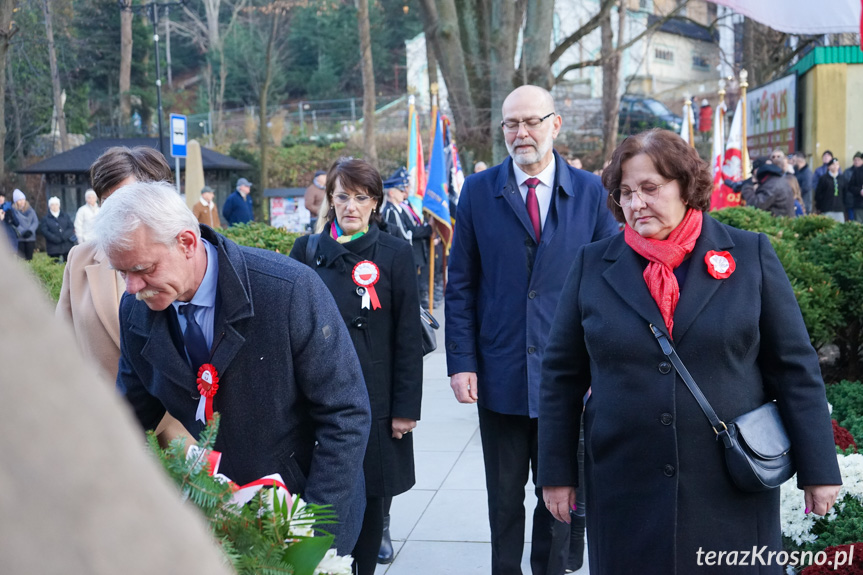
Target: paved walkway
(440, 527)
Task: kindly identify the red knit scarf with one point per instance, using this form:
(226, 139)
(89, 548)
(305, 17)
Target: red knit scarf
(664, 256)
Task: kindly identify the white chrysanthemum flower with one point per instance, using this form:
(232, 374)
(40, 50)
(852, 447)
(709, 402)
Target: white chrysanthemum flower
(333, 564)
(796, 524)
(301, 521)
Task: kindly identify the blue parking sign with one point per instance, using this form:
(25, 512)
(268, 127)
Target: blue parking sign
(178, 136)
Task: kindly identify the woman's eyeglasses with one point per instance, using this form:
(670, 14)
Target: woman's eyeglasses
(647, 191)
(342, 199)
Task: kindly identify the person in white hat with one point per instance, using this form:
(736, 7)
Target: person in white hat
(85, 215)
(28, 223)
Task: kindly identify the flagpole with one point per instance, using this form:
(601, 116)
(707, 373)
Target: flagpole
(431, 223)
(721, 127)
(434, 91)
(689, 116)
(744, 148)
(411, 109)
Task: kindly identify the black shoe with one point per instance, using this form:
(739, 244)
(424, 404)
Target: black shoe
(576, 544)
(386, 555)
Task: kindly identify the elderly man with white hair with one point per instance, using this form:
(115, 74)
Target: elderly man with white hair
(58, 230)
(207, 325)
(85, 216)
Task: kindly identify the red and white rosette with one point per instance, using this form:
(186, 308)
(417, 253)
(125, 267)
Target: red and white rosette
(208, 385)
(366, 274)
(719, 264)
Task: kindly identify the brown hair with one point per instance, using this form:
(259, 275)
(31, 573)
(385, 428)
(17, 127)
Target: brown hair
(355, 175)
(673, 158)
(118, 163)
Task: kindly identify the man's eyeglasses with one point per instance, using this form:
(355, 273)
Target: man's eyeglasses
(342, 199)
(647, 191)
(529, 123)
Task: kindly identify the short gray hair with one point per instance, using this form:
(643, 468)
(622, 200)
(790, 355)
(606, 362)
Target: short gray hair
(90, 192)
(53, 200)
(153, 205)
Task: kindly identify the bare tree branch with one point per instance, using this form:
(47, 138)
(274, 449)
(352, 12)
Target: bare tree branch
(588, 27)
(620, 48)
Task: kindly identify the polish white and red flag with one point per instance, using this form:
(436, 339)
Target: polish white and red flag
(802, 16)
(732, 163)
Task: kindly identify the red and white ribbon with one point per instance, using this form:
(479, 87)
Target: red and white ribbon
(366, 274)
(242, 493)
(208, 385)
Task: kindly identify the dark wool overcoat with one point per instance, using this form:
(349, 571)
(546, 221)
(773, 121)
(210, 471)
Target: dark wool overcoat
(388, 342)
(656, 481)
(503, 286)
(291, 394)
(58, 233)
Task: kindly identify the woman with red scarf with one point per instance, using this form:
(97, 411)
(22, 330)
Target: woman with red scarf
(659, 496)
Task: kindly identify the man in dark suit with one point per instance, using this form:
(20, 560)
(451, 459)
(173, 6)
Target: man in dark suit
(518, 228)
(290, 390)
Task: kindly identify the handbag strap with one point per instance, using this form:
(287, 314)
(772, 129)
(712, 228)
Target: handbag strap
(311, 248)
(718, 425)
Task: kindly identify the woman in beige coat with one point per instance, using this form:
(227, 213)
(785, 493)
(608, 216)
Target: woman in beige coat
(91, 291)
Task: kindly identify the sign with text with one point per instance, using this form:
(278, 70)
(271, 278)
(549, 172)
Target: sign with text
(179, 136)
(771, 114)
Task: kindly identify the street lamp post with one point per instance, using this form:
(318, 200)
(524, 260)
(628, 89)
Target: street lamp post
(153, 8)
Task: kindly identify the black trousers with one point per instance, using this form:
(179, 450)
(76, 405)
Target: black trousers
(25, 250)
(369, 543)
(509, 450)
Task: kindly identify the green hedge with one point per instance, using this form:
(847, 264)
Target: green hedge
(824, 261)
(49, 273)
(258, 235)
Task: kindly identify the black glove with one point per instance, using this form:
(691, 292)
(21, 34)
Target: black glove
(27, 234)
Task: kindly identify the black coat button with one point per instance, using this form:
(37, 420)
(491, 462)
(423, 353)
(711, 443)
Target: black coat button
(668, 470)
(360, 322)
(531, 350)
(664, 367)
(666, 418)
(531, 294)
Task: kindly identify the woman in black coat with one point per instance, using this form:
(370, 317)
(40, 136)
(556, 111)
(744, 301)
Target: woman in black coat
(371, 275)
(659, 496)
(59, 231)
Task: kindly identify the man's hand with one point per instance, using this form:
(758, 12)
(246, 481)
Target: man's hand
(464, 386)
(559, 501)
(401, 426)
(820, 498)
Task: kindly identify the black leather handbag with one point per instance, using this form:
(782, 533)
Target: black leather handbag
(430, 324)
(757, 447)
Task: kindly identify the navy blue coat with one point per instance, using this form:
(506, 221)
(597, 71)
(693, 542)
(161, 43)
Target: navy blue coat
(656, 482)
(10, 224)
(291, 393)
(503, 289)
(236, 210)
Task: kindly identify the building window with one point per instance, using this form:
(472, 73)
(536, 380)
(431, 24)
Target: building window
(664, 55)
(699, 62)
(643, 4)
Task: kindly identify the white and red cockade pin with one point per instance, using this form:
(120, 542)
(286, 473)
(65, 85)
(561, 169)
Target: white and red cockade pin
(208, 385)
(719, 264)
(366, 274)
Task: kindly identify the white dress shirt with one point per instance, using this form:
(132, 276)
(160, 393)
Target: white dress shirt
(543, 189)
